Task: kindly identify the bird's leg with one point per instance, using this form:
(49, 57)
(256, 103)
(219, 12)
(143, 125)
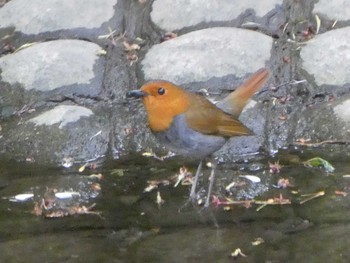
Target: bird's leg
(195, 181)
(211, 183)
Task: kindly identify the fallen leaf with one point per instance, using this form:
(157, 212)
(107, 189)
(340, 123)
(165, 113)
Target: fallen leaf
(182, 175)
(67, 162)
(132, 58)
(82, 168)
(257, 241)
(319, 162)
(252, 178)
(167, 36)
(337, 192)
(275, 167)
(284, 183)
(37, 210)
(96, 187)
(101, 52)
(150, 188)
(97, 176)
(318, 23)
(21, 197)
(237, 252)
(25, 46)
(160, 201)
(334, 23)
(130, 47)
(117, 172)
(66, 195)
(229, 186)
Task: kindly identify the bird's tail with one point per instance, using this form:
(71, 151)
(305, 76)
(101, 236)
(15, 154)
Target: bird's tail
(234, 103)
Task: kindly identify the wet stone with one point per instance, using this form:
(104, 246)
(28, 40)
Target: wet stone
(53, 15)
(62, 114)
(342, 111)
(324, 57)
(174, 15)
(54, 64)
(336, 9)
(325, 122)
(207, 53)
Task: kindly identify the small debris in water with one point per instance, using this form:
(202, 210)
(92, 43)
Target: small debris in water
(238, 252)
(252, 178)
(67, 162)
(283, 183)
(342, 193)
(66, 195)
(311, 196)
(275, 167)
(160, 200)
(21, 197)
(319, 162)
(258, 241)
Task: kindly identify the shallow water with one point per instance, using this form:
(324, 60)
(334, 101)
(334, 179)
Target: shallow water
(127, 225)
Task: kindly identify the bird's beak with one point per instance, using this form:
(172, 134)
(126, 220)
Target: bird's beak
(136, 94)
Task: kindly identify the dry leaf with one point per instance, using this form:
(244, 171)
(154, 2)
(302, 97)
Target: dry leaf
(318, 23)
(130, 47)
(237, 252)
(252, 178)
(160, 201)
(21, 197)
(258, 241)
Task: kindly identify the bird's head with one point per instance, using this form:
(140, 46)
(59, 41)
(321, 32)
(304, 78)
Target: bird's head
(163, 101)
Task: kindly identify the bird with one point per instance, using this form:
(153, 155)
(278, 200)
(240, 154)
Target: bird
(192, 126)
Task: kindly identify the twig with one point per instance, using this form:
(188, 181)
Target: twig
(312, 196)
(316, 144)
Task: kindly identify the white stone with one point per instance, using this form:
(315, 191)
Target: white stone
(37, 16)
(49, 65)
(176, 14)
(327, 57)
(335, 9)
(207, 53)
(342, 111)
(62, 114)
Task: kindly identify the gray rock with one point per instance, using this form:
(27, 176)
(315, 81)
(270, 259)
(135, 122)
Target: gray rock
(34, 17)
(325, 57)
(336, 9)
(342, 111)
(173, 15)
(207, 53)
(325, 122)
(50, 65)
(67, 131)
(62, 114)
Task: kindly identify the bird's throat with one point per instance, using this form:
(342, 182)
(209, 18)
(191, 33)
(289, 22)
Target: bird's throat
(159, 123)
(161, 113)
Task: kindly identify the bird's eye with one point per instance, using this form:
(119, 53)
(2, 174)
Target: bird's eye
(161, 91)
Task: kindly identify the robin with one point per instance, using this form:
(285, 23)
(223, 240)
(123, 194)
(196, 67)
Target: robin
(192, 126)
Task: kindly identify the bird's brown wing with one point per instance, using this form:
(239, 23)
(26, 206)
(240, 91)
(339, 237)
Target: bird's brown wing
(205, 117)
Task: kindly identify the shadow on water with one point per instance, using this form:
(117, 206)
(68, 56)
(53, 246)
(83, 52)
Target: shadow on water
(110, 213)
